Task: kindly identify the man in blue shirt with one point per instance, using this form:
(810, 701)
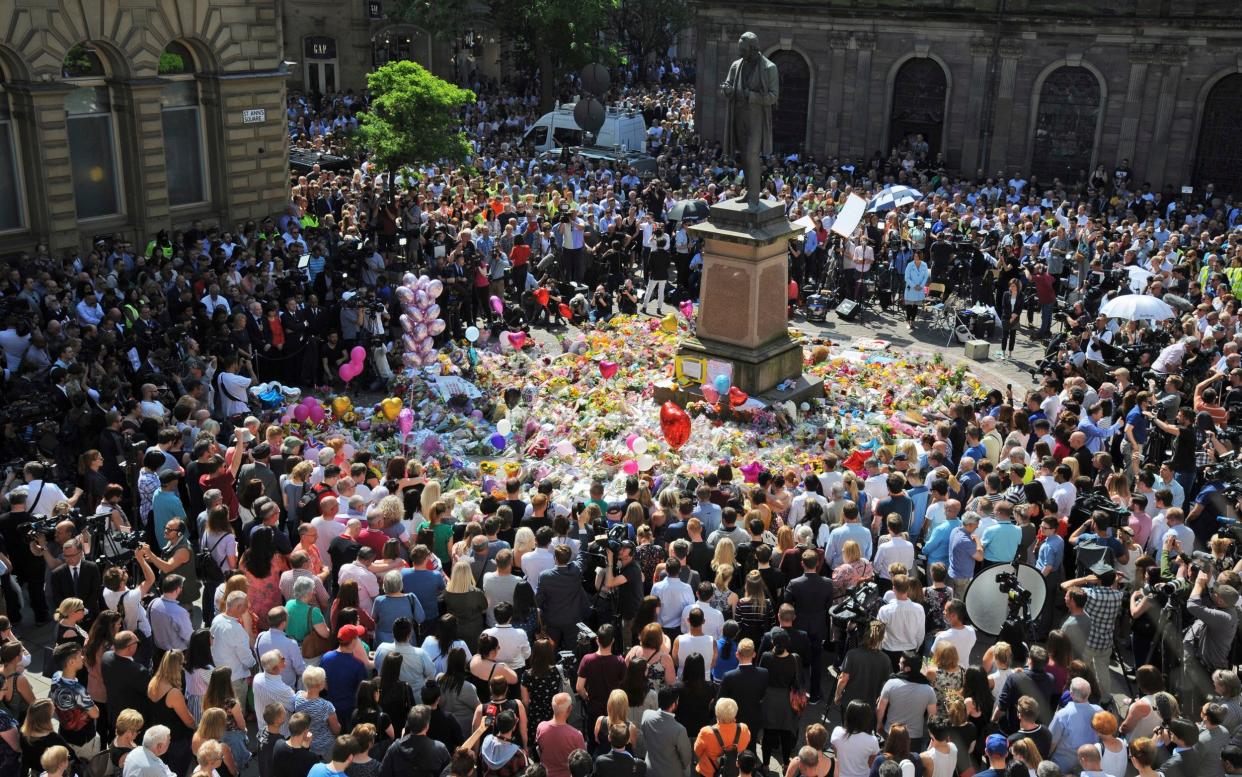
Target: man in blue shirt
(1071, 725)
(850, 530)
(1001, 539)
(918, 495)
(1136, 432)
(1096, 532)
(895, 502)
(965, 551)
(974, 444)
(1049, 560)
(343, 749)
(1097, 436)
(426, 584)
(936, 547)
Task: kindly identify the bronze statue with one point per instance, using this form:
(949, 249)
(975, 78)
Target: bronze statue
(752, 88)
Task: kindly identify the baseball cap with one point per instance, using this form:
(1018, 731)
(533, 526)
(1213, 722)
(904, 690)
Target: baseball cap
(997, 744)
(348, 633)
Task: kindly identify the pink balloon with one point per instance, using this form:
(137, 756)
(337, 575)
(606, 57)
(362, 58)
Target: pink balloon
(405, 420)
(411, 359)
(301, 413)
(435, 288)
(710, 393)
(498, 307)
(410, 341)
(407, 324)
(436, 327)
(347, 372)
(431, 313)
(405, 295)
(358, 354)
(518, 339)
(316, 413)
(629, 440)
(630, 467)
(421, 331)
(309, 401)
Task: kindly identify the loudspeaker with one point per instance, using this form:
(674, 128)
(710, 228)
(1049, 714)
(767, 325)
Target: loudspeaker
(847, 310)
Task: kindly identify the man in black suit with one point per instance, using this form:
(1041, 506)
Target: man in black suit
(746, 686)
(1185, 760)
(811, 596)
(78, 578)
(617, 762)
(124, 678)
(799, 642)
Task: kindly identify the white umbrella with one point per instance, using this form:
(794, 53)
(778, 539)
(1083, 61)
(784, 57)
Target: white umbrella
(1137, 307)
(893, 197)
(806, 224)
(1138, 278)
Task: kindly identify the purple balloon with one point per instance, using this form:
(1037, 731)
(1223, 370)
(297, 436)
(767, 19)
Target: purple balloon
(436, 327)
(408, 324)
(421, 299)
(431, 313)
(497, 441)
(435, 288)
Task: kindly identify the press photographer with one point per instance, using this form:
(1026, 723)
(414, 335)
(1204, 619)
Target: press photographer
(627, 582)
(1209, 640)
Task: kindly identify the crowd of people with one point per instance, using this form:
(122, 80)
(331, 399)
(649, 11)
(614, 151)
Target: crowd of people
(220, 596)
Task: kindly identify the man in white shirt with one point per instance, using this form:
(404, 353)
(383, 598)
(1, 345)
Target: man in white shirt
(962, 636)
(541, 558)
(514, 645)
(894, 548)
(41, 495)
(270, 686)
(231, 389)
(876, 484)
(1065, 492)
(116, 590)
(230, 643)
(89, 310)
(417, 668)
(360, 569)
(674, 595)
(713, 619)
(797, 508)
(213, 300)
(326, 524)
(831, 475)
(904, 621)
(275, 639)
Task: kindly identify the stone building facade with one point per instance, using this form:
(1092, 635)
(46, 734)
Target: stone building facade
(1053, 87)
(334, 45)
(124, 117)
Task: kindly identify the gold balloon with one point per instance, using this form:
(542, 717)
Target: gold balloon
(342, 405)
(669, 323)
(391, 407)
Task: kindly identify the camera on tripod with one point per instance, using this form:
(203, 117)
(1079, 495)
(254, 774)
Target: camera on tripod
(616, 534)
(1011, 587)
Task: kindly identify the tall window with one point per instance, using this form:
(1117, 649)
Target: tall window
(917, 122)
(1219, 155)
(789, 115)
(399, 44)
(183, 134)
(11, 216)
(92, 144)
(1069, 111)
(319, 53)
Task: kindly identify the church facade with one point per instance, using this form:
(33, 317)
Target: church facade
(1049, 87)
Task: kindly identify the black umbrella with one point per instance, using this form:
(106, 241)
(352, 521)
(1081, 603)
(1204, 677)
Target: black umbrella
(689, 209)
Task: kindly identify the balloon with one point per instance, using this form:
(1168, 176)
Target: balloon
(710, 393)
(646, 462)
(630, 467)
(498, 307)
(346, 372)
(423, 280)
(405, 295)
(436, 328)
(737, 397)
(405, 420)
(497, 441)
(316, 413)
(472, 334)
(722, 384)
(411, 359)
(341, 405)
(421, 332)
(565, 448)
(629, 440)
(358, 354)
(392, 408)
(751, 472)
(541, 294)
(640, 445)
(431, 313)
(566, 311)
(301, 413)
(669, 323)
(607, 369)
(518, 339)
(687, 308)
(409, 279)
(435, 288)
(503, 426)
(421, 299)
(675, 424)
(407, 324)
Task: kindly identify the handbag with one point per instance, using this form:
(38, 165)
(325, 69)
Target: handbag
(313, 644)
(797, 700)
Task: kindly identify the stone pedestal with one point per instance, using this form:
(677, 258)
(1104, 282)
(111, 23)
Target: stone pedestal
(744, 296)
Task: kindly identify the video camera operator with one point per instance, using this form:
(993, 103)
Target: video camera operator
(627, 580)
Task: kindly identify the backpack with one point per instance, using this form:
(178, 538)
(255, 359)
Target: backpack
(308, 504)
(726, 764)
(205, 565)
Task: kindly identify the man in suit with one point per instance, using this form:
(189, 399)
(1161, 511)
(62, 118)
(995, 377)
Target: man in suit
(78, 578)
(811, 596)
(617, 762)
(260, 470)
(668, 745)
(746, 686)
(561, 598)
(799, 642)
(1185, 760)
(124, 678)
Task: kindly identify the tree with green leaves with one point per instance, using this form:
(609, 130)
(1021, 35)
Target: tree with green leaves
(555, 36)
(414, 117)
(649, 27)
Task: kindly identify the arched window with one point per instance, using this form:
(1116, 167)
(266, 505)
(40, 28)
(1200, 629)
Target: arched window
(92, 138)
(789, 114)
(1219, 156)
(181, 117)
(12, 215)
(1069, 112)
(399, 44)
(919, 91)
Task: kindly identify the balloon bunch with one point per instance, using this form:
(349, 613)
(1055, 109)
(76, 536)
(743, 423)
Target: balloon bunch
(309, 409)
(420, 320)
(718, 391)
(357, 362)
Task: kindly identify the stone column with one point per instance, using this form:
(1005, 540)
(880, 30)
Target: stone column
(1172, 58)
(1141, 55)
(1004, 139)
(973, 124)
(860, 129)
(838, 42)
(138, 110)
(39, 108)
(257, 155)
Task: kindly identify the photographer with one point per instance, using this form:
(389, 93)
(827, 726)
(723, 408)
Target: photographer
(1209, 640)
(1104, 603)
(628, 583)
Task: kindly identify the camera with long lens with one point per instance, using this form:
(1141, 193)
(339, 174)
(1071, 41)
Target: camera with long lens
(613, 538)
(1161, 592)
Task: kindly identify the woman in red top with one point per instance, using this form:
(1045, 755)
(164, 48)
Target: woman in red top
(273, 343)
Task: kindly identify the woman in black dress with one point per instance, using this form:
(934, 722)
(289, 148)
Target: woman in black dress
(396, 696)
(367, 710)
(167, 707)
(695, 708)
(780, 720)
(541, 681)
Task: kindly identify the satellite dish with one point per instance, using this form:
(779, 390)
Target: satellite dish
(595, 79)
(988, 606)
(589, 113)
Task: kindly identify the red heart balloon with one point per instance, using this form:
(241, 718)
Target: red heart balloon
(541, 295)
(518, 339)
(737, 396)
(608, 369)
(675, 424)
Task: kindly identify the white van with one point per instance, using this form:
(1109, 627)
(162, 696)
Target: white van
(622, 129)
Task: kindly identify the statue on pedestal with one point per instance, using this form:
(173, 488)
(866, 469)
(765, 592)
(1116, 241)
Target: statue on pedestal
(752, 88)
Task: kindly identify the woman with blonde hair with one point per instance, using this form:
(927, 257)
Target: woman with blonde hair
(461, 548)
(963, 734)
(1072, 463)
(635, 516)
(166, 706)
(212, 760)
(523, 543)
(297, 485)
(1118, 487)
(853, 570)
(464, 600)
(324, 725)
(784, 540)
(38, 734)
(69, 615)
(946, 674)
(725, 553)
(723, 597)
(616, 711)
(207, 742)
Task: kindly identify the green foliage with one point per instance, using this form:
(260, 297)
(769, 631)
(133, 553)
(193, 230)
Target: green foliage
(414, 117)
(80, 62)
(649, 26)
(171, 63)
